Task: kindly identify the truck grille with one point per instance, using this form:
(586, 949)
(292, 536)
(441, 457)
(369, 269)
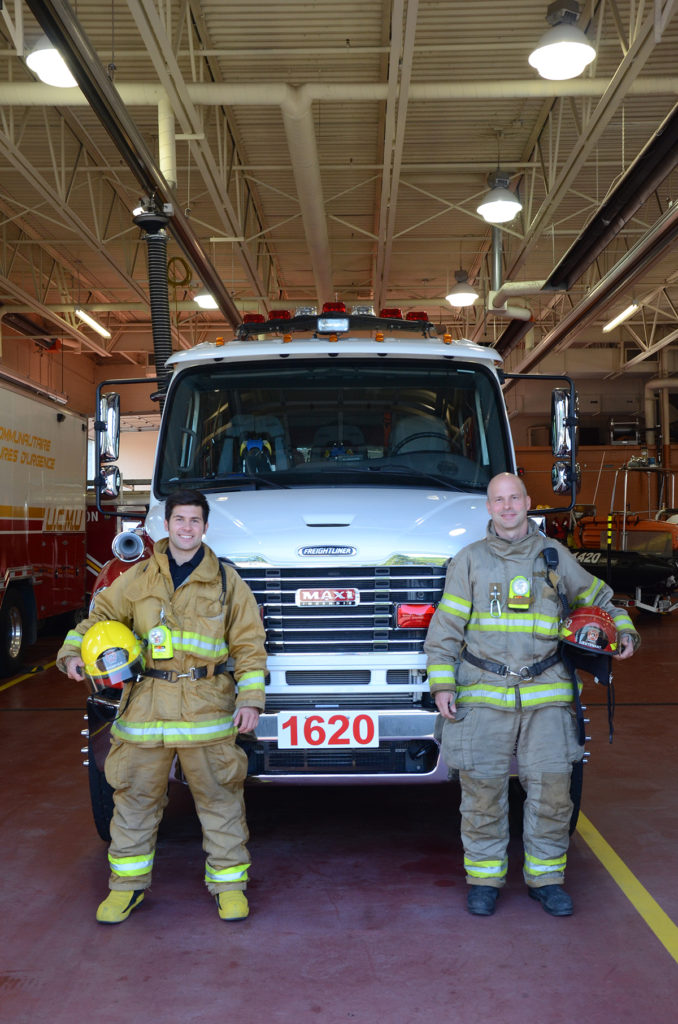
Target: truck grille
(363, 701)
(367, 626)
(398, 758)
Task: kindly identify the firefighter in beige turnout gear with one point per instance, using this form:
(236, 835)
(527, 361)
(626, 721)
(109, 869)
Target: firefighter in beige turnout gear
(197, 612)
(500, 687)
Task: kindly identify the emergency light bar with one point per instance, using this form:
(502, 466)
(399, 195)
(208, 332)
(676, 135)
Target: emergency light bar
(332, 324)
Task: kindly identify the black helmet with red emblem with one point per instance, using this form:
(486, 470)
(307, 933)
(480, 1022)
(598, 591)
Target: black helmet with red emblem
(589, 638)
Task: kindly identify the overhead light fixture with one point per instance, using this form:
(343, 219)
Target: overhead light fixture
(46, 62)
(564, 51)
(92, 322)
(463, 293)
(206, 300)
(621, 317)
(500, 205)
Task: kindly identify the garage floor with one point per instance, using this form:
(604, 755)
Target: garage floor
(357, 895)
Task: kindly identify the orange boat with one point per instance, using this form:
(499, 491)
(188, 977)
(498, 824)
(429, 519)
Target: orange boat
(636, 553)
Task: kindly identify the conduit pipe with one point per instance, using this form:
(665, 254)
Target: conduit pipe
(496, 299)
(167, 145)
(497, 304)
(664, 385)
(275, 94)
(298, 122)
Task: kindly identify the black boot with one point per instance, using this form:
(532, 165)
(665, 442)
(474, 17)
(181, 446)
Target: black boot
(482, 899)
(553, 899)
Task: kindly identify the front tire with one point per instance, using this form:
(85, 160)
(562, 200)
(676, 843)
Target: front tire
(13, 640)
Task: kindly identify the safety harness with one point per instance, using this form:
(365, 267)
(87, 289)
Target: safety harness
(524, 673)
(197, 672)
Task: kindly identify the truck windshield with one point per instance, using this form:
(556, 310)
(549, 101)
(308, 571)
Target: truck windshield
(344, 422)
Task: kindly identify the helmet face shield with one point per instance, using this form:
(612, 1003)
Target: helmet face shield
(112, 654)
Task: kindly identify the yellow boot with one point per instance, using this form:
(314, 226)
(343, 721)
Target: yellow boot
(232, 905)
(118, 905)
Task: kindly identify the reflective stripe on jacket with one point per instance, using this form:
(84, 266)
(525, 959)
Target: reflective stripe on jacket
(468, 613)
(207, 626)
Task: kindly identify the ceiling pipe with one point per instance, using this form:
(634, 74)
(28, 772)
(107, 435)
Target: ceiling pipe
(510, 288)
(403, 27)
(167, 143)
(656, 384)
(496, 299)
(509, 312)
(274, 94)
(297, 115)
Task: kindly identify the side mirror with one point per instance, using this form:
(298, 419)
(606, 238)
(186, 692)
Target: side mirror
(108, 427)
(563, 423)
(109, 483)
(563, 480)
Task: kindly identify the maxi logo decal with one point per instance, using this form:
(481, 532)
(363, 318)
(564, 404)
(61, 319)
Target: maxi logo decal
(315, 597)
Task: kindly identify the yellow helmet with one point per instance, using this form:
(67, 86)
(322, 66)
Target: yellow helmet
(112, 654)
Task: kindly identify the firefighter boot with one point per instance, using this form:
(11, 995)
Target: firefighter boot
(118, 905)
(482, 899)
(232, 905)
(553, 899)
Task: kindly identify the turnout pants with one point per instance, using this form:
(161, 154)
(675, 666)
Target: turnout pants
(481, 743)
(139, 777)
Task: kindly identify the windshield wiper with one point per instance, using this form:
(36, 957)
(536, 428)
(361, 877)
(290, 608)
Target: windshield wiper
(232, 480)
(417, 474)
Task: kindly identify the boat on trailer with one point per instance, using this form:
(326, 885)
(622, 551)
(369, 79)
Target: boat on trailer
(635, 552)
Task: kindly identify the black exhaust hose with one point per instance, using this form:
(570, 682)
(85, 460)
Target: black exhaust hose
(160, 311)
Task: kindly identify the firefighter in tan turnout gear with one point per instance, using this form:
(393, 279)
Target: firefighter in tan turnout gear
(191, 613)
(500, 687)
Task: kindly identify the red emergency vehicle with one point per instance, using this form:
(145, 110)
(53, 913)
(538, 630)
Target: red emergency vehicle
(43, 470)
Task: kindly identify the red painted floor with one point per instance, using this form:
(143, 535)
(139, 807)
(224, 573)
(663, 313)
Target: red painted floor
(357, 895)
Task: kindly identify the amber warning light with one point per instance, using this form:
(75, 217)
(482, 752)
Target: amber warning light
(414, 616)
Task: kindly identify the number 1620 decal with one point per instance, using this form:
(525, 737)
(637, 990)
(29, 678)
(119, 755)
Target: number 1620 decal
(328, 729)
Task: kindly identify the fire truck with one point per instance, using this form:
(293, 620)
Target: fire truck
(345, 457)
(43, 468)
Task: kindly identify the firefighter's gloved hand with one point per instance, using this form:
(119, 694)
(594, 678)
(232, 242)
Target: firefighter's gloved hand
(446, 704)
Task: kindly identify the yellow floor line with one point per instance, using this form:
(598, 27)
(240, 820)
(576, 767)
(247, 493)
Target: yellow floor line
(648, 908)
(27, 675)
